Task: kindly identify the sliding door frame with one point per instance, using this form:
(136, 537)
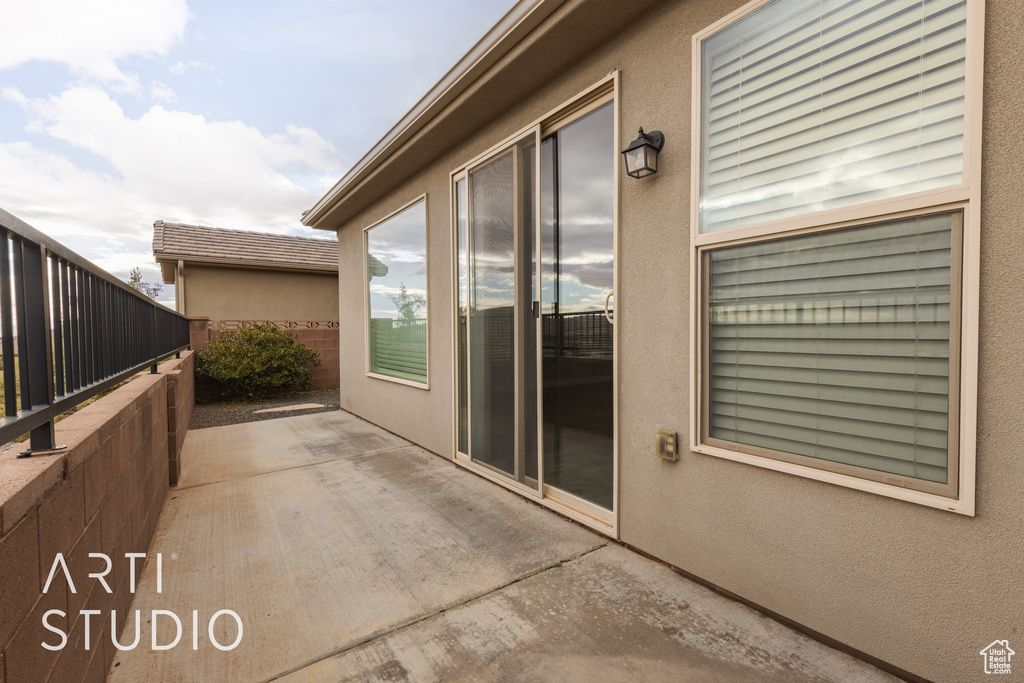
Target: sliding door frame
(605, 521)
(513, 147)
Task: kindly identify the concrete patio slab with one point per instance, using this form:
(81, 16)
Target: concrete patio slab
(288, 409)
(350, 554)
(244, 450)
(610, 615)
(346, 540)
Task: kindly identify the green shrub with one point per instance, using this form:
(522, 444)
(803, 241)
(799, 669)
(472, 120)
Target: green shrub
(257, 361)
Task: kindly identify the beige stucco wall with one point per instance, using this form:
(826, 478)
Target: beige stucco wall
(920, 588)
(246, 294)
(421, 415)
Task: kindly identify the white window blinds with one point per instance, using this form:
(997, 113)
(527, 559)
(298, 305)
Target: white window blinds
(810, 105)
(836, 345)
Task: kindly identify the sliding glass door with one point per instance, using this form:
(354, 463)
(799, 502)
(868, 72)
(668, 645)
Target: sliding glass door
(577, 269)
(535, 259)
(501, 334)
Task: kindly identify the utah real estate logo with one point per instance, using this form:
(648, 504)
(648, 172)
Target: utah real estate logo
(997, 657)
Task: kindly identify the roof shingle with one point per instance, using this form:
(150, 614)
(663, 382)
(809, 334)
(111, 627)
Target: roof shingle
(200, 242)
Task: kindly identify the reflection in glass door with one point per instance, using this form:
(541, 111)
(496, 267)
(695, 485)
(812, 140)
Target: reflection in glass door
(529, 287)
(577, 271)
(500, 335)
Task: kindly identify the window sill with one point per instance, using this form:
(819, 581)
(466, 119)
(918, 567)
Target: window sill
(963, 506)
(398, 380)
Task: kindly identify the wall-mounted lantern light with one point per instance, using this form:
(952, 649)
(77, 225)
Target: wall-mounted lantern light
(642, 154)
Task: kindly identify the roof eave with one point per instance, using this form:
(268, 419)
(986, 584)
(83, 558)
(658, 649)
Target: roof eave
(519, 21)
(237, 263)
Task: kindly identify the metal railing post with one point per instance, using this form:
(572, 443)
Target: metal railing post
(153, 341)
(7, 327)
(54, 325)
(39, 343)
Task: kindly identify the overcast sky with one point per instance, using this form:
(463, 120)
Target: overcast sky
(118, 113)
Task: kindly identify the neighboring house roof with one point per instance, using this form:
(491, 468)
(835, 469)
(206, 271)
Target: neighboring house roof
(375, 267)
(197, 243)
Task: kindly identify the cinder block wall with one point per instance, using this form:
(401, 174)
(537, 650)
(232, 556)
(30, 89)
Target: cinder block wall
(103, 494)
(326, 340)
(181, 398)
(198, 331)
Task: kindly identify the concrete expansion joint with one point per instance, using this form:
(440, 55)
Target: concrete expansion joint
(432, 615)
(539, 571)
(350, 456)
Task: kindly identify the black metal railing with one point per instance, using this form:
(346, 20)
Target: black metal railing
(577, 334)
(70, 330)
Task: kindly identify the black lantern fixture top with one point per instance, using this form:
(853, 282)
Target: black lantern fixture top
(642, 154)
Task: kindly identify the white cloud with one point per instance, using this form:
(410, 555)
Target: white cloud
(120, 264)
(14, 95)
(167, 165)
(385, 290)
(179, 68)
(90, 37)
(163, 92)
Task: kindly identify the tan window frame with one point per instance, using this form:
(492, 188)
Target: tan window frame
(959, 495)
(366, 292)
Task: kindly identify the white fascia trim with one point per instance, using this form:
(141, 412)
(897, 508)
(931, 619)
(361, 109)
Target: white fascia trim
(525, 16)
(236, 263)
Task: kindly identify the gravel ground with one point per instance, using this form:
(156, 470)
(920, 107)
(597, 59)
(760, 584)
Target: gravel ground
(236, 412)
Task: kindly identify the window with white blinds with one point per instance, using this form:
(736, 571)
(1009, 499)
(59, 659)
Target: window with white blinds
(834, 352)
(808, 105)
(834, 348)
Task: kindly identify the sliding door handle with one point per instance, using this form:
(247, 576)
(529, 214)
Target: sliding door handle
(606, 299)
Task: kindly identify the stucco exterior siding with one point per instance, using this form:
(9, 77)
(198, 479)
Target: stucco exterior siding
(244, 294)
(420, 415)
(920, 588)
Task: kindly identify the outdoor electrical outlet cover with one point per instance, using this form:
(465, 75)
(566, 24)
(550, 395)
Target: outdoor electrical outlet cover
(666, 445)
